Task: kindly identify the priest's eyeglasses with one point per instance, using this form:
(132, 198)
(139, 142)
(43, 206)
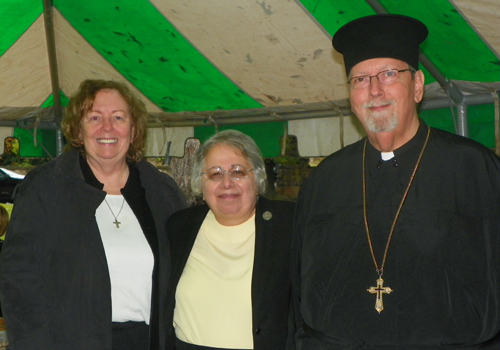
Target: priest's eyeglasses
(237, 172)
(387, 76)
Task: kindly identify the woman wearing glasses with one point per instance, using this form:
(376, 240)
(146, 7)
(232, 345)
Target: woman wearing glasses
(229, 286)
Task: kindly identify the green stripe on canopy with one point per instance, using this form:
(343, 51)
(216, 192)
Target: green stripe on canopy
(147, 50)
(17, 16)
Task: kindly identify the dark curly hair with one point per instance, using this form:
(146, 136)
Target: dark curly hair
(82, 102)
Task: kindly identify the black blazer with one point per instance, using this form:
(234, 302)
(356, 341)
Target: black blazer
(271, 270)
(54, 280)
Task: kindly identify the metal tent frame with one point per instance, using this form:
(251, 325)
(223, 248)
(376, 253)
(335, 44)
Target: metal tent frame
(50, 118)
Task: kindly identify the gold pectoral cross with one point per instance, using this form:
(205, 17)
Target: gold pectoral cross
(379, 290)
(117, 223)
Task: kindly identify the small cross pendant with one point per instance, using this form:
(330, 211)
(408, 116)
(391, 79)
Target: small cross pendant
(117, 223)
(379, 290)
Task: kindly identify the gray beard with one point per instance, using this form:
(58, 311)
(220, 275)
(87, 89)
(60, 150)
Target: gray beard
(379, 123)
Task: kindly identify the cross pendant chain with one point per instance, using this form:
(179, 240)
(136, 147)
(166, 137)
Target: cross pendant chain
(116, 222)
(380, 290)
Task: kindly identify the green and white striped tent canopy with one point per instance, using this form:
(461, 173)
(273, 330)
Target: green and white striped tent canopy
(265, 67)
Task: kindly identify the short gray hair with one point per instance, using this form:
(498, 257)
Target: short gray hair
(239, 142)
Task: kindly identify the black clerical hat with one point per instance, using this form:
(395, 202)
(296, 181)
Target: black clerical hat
(392, 36)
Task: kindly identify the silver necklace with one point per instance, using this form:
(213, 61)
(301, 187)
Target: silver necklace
(116, 222)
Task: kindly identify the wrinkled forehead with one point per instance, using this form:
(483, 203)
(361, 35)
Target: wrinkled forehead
(375, 65)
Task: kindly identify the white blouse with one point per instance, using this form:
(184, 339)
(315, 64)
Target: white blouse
(130, 260)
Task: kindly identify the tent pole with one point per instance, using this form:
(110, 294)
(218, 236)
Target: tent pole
(462, 127)
(54, 74)
(451, 90)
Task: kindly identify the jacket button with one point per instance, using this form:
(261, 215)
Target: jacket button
(257, 330)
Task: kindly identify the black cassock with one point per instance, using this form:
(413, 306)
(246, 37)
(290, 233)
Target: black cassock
(443, 263)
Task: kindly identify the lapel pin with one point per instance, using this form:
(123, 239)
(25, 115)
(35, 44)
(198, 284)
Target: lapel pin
(267, 215)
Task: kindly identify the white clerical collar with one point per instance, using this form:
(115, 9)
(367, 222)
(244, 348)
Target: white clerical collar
(387, 155)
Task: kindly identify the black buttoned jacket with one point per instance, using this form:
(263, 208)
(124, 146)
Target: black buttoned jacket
(271, 269)
(54, 280)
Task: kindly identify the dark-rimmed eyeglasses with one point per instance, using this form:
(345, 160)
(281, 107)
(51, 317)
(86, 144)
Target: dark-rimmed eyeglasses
(387, 76)
(237, 172)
